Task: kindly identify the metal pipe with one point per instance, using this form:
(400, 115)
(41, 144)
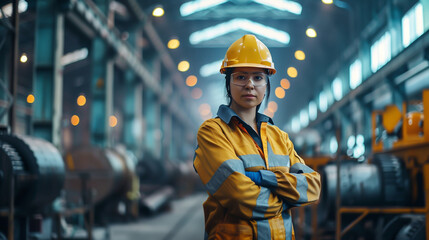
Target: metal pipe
(14, 65)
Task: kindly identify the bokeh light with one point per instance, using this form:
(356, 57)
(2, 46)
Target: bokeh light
(280, 92)
(30, 98)
(113, 121)
(311, 33)
(196, 93)
(292, 72)
(74, 120)
(183, 66)
(191, 80)
(81, 100)
(299, 55)
(158, 12)
(173, 43)
(285, 83)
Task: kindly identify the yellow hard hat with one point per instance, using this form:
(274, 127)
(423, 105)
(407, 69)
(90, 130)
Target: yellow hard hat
(248, 51)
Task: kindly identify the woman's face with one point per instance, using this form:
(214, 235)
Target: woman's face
(246, 94)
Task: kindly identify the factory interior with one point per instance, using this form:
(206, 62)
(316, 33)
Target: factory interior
(101, 102)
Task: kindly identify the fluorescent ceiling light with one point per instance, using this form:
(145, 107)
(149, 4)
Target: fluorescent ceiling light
(189, 8)
(210, 68)
(282, 5)
(192, 7)
(239, 24)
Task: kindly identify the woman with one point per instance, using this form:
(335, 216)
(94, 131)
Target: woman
(250, 169)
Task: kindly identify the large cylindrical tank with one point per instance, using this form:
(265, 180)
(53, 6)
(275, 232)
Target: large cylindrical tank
(153, 171)
(37, 168)
(102, 172)
(384, 182)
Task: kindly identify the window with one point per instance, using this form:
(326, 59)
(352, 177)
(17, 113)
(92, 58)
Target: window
(381, 52)
(296, 126)
(337, 89)
(323, 102)
(355, 74)
(312, 110)
(333, 145)
(412, 25)
(303, 116)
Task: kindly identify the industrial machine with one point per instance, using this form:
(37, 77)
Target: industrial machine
(103, 178)
(384, 197)
(31, 177)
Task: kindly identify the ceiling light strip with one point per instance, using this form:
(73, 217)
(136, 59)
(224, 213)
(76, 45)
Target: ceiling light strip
(210, 68)
(282, 5)
(192, 7)
(237, 24)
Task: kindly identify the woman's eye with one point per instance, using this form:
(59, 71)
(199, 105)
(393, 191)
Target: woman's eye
(241, 77)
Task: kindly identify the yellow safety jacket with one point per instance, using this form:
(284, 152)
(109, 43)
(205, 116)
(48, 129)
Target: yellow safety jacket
(236, 207)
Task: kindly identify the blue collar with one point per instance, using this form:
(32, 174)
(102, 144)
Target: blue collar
(225, 113)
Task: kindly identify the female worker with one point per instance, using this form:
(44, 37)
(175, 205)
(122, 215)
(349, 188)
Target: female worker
(249, 168)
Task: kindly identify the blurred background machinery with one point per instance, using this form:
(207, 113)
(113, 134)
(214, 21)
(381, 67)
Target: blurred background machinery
(100, 102)
(384, 196)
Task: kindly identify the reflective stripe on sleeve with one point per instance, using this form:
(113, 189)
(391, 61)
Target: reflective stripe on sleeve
(261, 203)
(299, 167)
(223, 172)
(301, 186)
(252, 160)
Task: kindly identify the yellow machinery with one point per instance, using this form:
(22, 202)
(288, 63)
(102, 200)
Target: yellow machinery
(404, 135)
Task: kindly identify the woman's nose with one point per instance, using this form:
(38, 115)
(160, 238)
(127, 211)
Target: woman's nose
(250, 84)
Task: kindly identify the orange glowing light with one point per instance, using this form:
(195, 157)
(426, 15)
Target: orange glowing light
(74, 120)
(196, 93)
(30, 98)
(285, 83)
(191, 80)
(81, 100)
(272, 106)
(280, 92)
(113, 121)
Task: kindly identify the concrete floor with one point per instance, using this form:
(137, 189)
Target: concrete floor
(185, 221)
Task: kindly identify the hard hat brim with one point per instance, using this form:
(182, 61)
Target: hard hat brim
(271, 71)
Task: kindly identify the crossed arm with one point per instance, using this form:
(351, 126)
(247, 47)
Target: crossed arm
(225, 179)
(297, 187)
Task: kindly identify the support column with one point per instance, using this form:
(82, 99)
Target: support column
(48, 80)
(153, 134)
(102, 94)
(101, 87)
(133, 100)
(175, 140)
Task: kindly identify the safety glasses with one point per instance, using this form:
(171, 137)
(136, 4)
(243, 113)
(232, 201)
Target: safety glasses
(258, 79)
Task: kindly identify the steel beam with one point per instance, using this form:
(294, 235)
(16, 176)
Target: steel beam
(48, 79)
(375, 79)
(151, 115)
(101, 87)
(92, 16)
